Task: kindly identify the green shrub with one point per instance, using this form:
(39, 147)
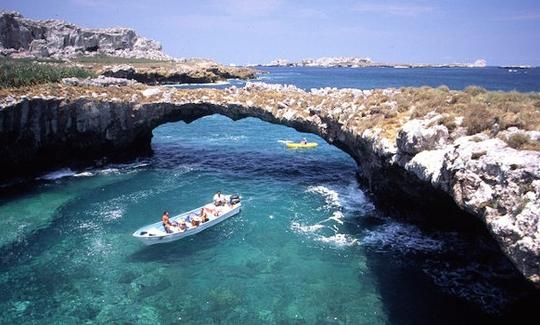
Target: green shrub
(105, 59)
(18, 73)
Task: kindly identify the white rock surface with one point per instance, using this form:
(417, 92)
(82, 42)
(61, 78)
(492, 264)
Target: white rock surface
(417, 135)
(151, 92)
(100, 81)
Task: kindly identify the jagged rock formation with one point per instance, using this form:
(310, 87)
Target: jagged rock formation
(21, 37)
(401, 156)
(178, 72)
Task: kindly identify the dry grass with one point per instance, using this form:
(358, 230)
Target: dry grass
(478, 118)
(522, 142)
(387, 110)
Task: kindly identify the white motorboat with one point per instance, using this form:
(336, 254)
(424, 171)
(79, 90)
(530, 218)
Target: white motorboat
(156, 234)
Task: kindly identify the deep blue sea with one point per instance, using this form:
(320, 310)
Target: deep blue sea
(308, 247)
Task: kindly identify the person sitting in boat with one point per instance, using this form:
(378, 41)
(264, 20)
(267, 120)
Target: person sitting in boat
(219, 199)
(166, 222)
(203, 216)
(194, 219)
(182, 226)
(212, 211)
(195, 222)
(303, 141)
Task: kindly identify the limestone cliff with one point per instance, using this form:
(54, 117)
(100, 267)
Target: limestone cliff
(21, 37)
(402, 154)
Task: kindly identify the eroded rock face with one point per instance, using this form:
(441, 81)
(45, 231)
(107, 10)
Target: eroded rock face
(21, 37)
(420, 135)
(481, 175)
(200, 72)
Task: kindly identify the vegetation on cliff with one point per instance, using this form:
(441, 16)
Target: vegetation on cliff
(468, 112)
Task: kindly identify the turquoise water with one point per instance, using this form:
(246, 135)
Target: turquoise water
(308, 247)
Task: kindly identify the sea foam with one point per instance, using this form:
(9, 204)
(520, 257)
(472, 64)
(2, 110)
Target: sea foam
(401, 237)
(57, 174)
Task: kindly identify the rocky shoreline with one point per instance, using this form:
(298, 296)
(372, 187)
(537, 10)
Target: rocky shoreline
(403, 152)
(177, 73)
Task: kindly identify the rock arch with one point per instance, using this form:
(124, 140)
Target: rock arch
(415, 170)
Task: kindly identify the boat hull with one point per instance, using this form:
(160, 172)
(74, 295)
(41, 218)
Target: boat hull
(154, 234)
(308, 145)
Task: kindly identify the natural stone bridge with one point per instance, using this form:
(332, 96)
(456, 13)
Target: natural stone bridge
(401, 158)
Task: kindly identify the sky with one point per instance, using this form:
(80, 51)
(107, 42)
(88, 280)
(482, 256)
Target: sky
(251, 31)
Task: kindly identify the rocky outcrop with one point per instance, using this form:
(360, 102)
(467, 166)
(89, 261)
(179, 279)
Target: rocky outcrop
(21, 37)
(415, 136)
(424, 161)
(100, 81)
(199, 72)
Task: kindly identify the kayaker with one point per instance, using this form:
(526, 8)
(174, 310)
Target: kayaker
(303, 141)
(166, 222)
(219, 199)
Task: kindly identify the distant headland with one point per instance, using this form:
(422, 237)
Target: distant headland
(366, 62)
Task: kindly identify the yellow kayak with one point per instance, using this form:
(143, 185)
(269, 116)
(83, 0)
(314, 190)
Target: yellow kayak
(295, 145)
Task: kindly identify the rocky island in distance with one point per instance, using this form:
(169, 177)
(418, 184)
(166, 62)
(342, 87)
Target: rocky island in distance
(365, 62)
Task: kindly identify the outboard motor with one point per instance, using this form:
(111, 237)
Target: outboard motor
(234, 199)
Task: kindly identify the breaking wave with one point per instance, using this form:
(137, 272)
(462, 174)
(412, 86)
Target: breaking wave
(57, 174)
(338, 240)
(331, 197)
(405, 238)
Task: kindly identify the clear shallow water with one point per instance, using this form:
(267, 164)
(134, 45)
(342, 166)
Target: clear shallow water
(308, 247)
